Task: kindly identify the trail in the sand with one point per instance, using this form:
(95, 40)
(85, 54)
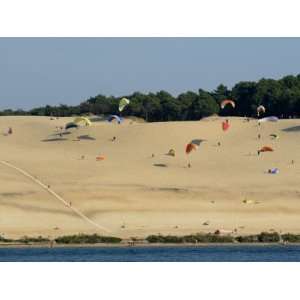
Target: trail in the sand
(48, 189)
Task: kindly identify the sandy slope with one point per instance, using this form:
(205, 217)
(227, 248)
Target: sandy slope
(131, 196)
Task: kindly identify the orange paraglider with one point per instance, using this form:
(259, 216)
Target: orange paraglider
(265, 149)
(190, 147)
(100, 157)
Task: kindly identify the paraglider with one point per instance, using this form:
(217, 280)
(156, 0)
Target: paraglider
(260, 109)
(225, 125)
(265, 149)
(84, 120)
(268, 119)
(193, 145)
(71, 125)
(190, 147)
(171, 152)
(226, 102)
(114, 117)
(123, 103)
(273, 171)
(274, 136)
(100, 157)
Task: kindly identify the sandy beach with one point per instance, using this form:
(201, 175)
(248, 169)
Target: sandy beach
(132, 193)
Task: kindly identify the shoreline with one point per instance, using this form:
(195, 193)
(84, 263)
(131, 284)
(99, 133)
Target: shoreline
(138, 245)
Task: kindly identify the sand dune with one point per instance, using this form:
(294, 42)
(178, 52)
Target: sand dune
(134, 194)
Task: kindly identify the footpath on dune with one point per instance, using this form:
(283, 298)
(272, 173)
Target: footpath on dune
(48, 189)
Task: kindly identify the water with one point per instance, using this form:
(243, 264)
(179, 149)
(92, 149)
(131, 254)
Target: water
(275, 253)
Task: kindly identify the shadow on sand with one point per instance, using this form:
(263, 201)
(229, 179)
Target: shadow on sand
(292, 129)
(160, 165)
(86, 137)
(54, 140)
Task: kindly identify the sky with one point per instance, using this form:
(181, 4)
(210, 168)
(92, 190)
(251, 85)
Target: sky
(39, 71)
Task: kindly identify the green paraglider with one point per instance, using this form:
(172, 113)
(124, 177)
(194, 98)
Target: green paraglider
(123, 103)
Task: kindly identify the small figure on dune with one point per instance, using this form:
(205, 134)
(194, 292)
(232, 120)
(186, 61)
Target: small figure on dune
(189, 165)
(292, 162)
(10, 131)
(152, 155)
(219, 144)
(49, 187)
(259, 136)
(82, 157)
(113, 139)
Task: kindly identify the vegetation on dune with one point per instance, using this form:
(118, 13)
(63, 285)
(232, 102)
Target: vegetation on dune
(87, 239)
(281, 98)
(27, 240)
(205, 238)
(263, 237)
(291, 238)
(195, 238)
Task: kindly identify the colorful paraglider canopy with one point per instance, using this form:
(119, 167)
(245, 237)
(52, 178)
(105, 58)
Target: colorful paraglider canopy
(266, 149)
(84, 120)
(261, 109)
(273, 171)
(268, 119)
(225, 125)
(71, 125)
(197, 142)
(171, 152)
(190, 147)
(100, 157)
(226, 102)
(114, 117)
(123, 103)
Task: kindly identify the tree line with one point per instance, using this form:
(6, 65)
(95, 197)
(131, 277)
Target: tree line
(281, 98)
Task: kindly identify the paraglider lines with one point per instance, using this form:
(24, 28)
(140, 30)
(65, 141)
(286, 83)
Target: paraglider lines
(49, 190)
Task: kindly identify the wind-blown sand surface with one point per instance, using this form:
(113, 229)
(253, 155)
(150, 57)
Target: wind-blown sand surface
(132, 194)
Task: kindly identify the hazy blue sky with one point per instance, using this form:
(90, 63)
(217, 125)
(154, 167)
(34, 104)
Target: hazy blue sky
(35, 72)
